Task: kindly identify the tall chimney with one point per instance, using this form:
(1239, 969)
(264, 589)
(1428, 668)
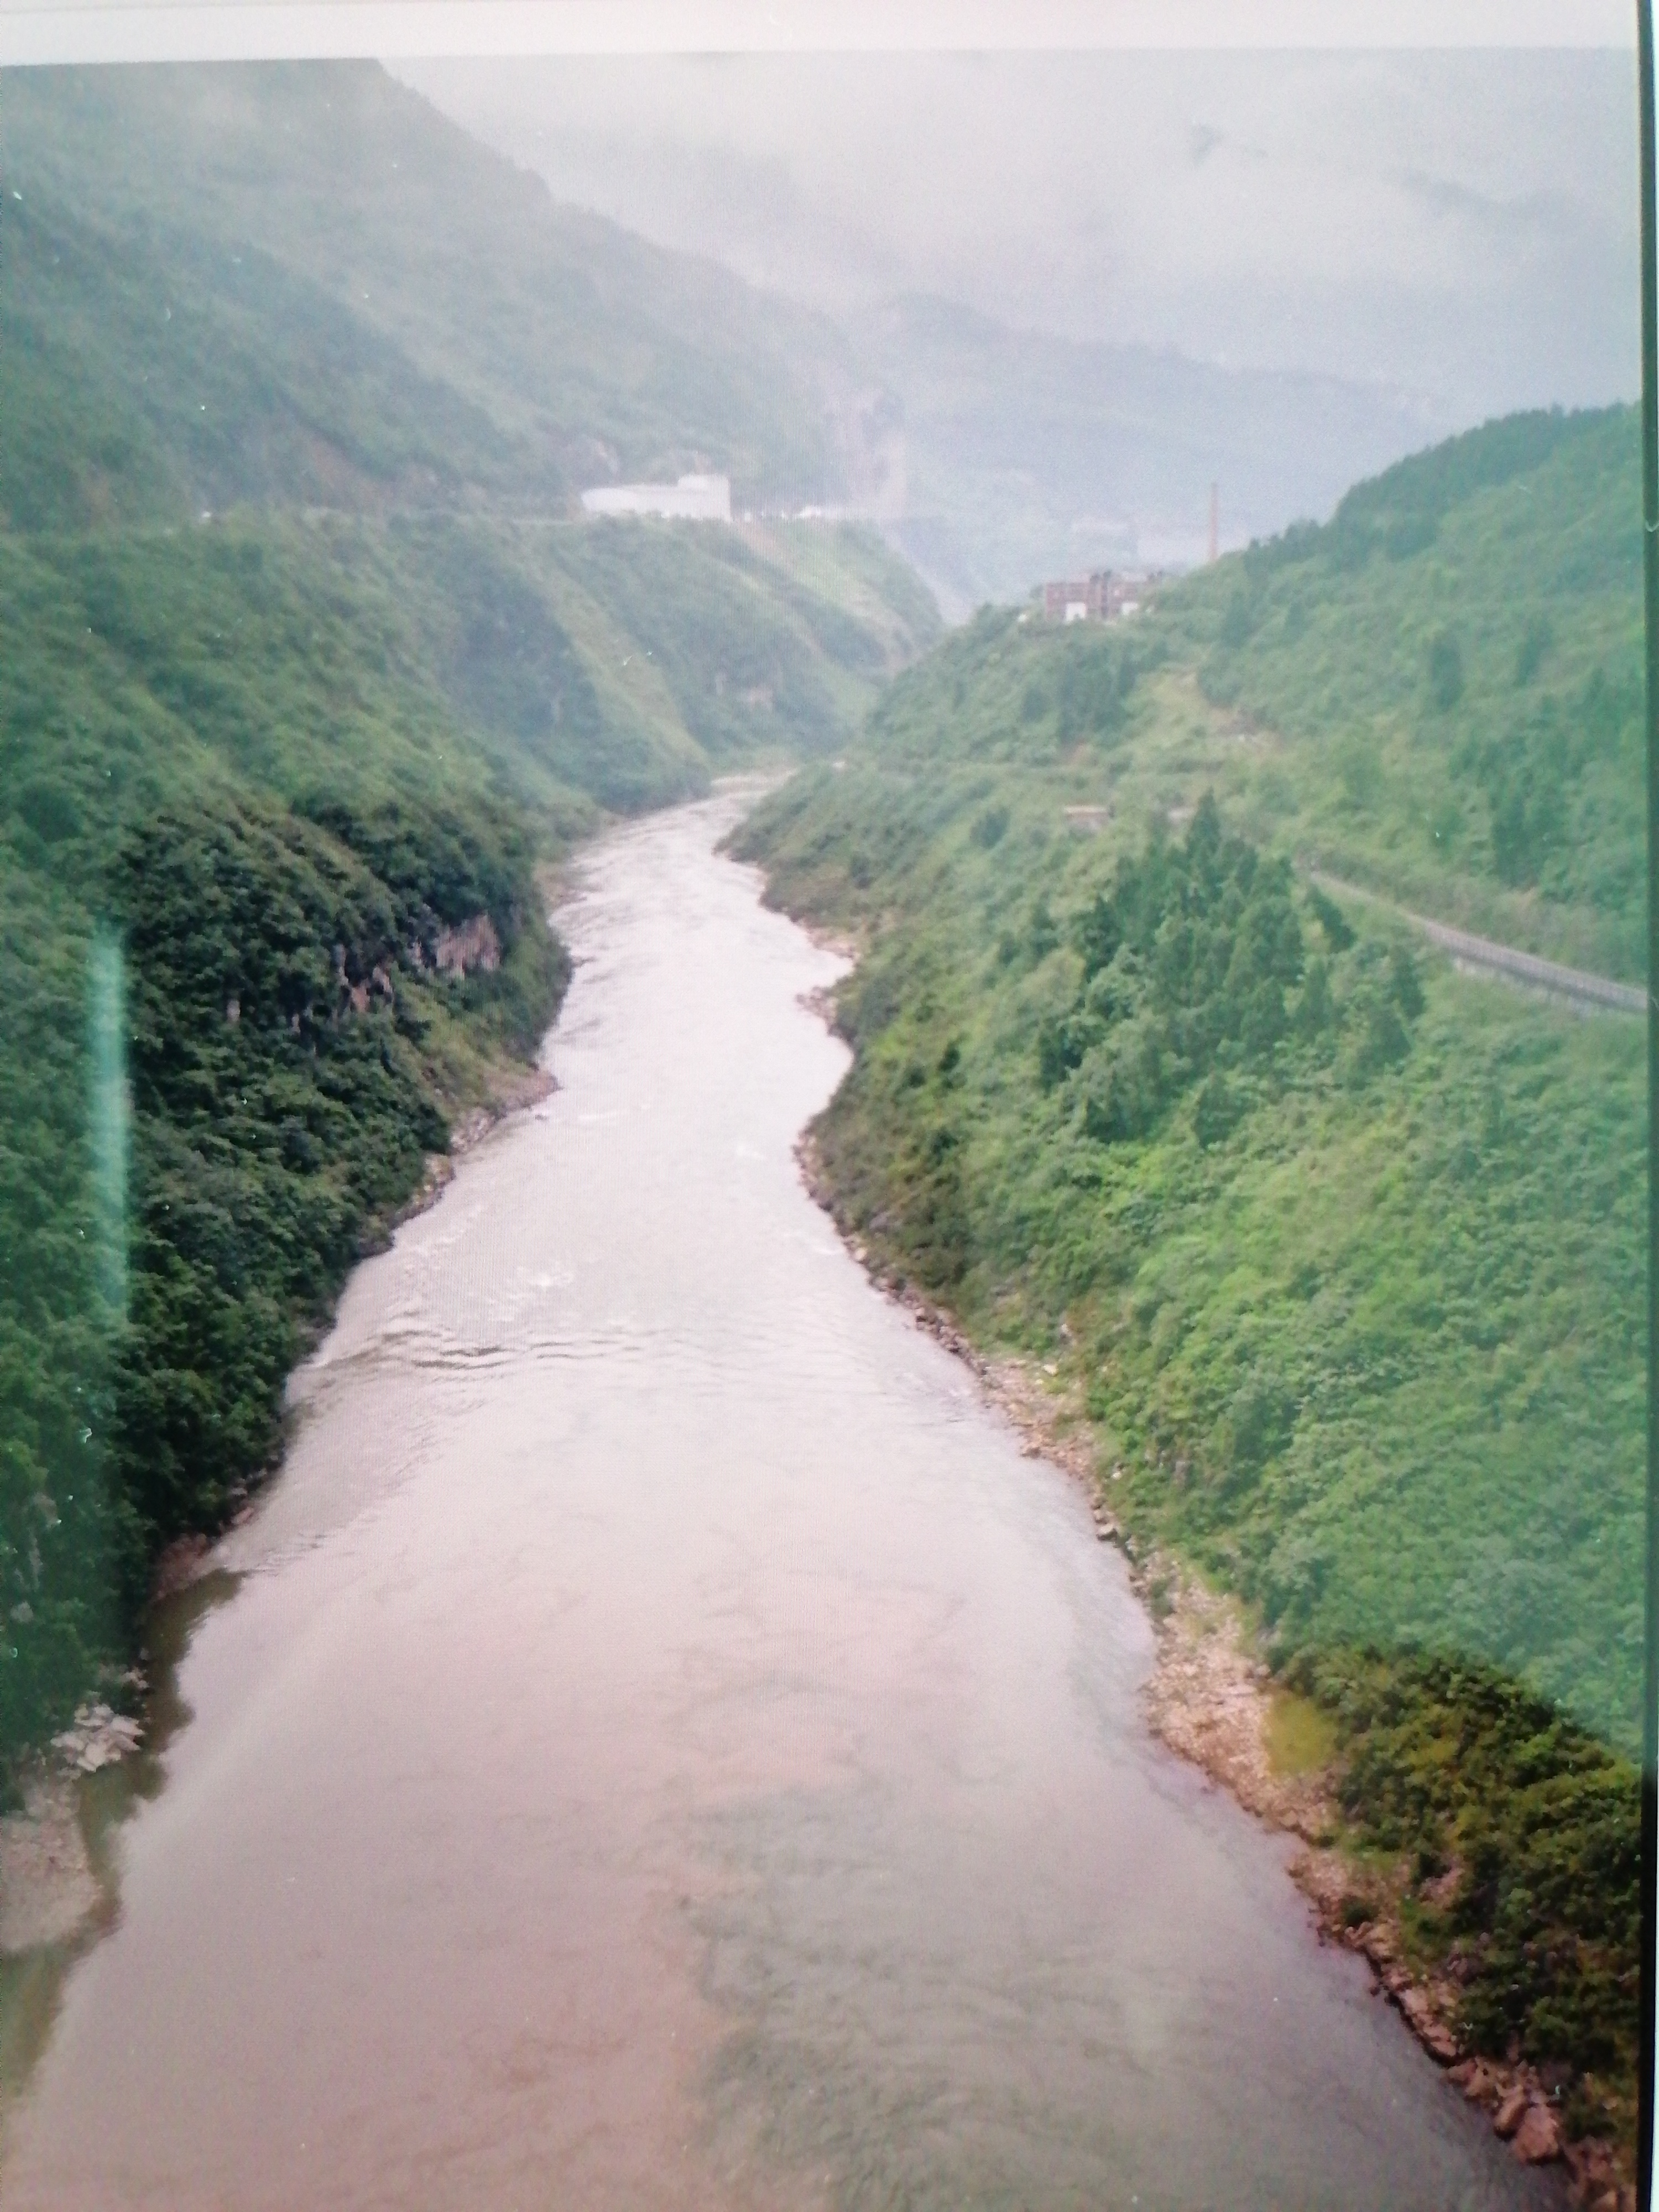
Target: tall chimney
(1215, 521)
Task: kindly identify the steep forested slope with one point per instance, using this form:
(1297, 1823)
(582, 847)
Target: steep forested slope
(426, 317)
(1334, 1254)
(246, 839)
(1439, 691)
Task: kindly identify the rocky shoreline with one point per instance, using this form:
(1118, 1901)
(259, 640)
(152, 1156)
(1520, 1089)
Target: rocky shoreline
(511, 1092)
(49, 1890)
(1210, 1699)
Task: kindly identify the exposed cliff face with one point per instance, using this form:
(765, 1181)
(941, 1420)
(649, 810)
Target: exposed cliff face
(470, 945)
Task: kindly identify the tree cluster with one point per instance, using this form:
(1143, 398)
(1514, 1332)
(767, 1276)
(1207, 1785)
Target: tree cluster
(1195, 971)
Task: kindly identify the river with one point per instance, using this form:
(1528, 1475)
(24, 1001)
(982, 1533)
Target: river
(664, 1746)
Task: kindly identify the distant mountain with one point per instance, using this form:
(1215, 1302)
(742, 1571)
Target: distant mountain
(302, 282)
(258, 291)
(1015, 455)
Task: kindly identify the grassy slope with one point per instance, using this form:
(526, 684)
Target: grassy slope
(570, 350)
(768, 640)
(150, 374)
(255, 764)
(1351, 1301)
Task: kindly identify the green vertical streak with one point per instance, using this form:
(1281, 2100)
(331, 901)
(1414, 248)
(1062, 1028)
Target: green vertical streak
(1650, 609)
(111, 1116)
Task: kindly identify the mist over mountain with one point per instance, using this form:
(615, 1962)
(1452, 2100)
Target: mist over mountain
(370, 264)
(1022, 312)
(1078, 289)
(1027, 456)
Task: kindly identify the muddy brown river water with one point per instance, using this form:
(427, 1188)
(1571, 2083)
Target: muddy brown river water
(668, 1748)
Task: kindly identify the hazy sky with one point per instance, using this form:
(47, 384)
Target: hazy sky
(1462, 223)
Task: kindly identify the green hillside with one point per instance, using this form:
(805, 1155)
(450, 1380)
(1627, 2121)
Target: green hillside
(240, 817)
(150, 376)
(1439, 693)
(1337, 1253)
(381, 307)
(307, 668)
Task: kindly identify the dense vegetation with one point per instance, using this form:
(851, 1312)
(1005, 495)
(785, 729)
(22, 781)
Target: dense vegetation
(236, 817)
(235, 1053)
(1518, 1834)
(305, 671)
(1450, 670)
(1337, 1252)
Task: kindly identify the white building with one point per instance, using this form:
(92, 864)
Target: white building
(693, 499)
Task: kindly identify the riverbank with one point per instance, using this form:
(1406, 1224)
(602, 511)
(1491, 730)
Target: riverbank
(52, 1894)
(653, 1647)
(1214, 1698)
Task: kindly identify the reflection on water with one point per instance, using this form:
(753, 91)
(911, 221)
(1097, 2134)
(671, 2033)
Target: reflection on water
(668, 1748)
(32, 1980)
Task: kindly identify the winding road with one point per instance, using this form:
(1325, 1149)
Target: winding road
(1575, 985)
